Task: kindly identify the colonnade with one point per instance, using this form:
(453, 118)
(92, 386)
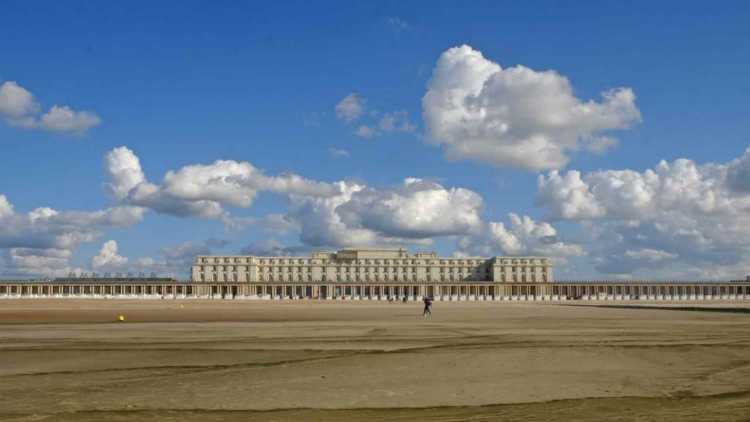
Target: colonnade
(254, 291)
(485, 291)
(32, 290)
(651, 291)
(556, 291)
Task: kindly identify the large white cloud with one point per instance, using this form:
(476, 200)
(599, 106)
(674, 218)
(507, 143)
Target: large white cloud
(343, 213)
(124, 170)
(199, 190)
(324, 214)
(49, 228)
(415, 212)
(681, 217)
(321, 225)
(416, 209)
(41, 241)
(321, 214)
(678, 188)
(223, 181)
(418, 212)
(19, 108)
(516, 117)
(567, 196)
(522, 236)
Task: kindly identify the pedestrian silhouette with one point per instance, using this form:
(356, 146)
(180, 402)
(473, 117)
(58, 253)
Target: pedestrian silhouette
(427, 306)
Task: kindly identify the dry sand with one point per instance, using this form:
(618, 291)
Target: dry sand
(345, 361)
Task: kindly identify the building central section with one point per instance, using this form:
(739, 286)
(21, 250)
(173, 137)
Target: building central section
(370, 266)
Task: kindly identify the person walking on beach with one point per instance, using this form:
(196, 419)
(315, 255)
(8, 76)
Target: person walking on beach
(427, 306)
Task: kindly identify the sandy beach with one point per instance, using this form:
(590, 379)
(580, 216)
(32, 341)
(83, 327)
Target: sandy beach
(308, 361)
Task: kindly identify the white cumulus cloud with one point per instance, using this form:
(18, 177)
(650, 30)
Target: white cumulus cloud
(416, 209)
(321, 225)
(522, 236)
(567, 196)
(16, 102)
(42, 241)
(19, 108)
(411, 214)
(516, 117)
(108, 257)
(682, 217)
(199, 190)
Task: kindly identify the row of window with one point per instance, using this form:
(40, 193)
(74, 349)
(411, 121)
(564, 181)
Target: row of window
(279, 261)
(371, 276)
(266, 270)
(523, 261)
(354, 264)
(344, 278)
(308, 261)
(369, 269)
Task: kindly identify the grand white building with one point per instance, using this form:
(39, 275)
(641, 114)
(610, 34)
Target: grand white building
(375, 274)
(366, 266)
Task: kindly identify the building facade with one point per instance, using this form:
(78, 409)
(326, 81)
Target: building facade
(374, 274)
(370, 266)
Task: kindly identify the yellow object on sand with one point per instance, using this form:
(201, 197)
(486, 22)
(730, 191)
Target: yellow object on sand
(121, 317)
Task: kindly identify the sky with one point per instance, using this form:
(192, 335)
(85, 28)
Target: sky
(611, 136)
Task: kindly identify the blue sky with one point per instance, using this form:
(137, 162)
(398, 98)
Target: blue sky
(186, 83)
